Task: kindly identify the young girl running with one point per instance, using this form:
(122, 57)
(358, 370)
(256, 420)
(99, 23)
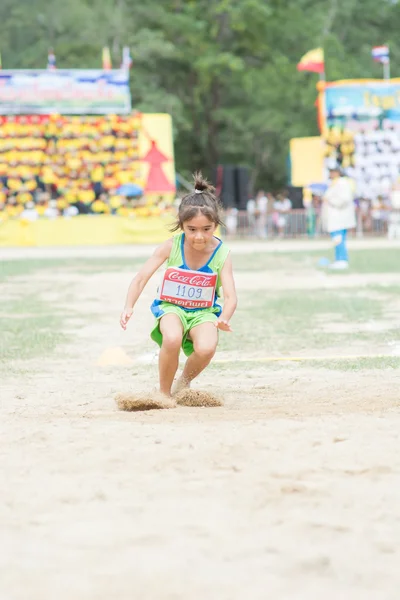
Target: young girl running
(187, 310)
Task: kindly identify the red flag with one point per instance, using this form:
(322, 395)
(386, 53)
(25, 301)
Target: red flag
(312, 61)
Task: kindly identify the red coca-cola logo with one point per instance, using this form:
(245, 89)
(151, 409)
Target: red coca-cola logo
(199, 280)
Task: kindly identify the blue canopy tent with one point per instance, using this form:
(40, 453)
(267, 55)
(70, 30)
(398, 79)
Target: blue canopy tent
(130, 190)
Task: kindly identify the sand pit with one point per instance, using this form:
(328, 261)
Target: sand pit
(290, 491)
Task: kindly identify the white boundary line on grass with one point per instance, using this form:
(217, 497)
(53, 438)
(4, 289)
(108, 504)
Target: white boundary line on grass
(304, 358)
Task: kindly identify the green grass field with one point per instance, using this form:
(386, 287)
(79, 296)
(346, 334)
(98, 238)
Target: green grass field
(281, 321)
(362, 261)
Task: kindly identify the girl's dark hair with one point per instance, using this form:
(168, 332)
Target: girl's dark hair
(203, 200)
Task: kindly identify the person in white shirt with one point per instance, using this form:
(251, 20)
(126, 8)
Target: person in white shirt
(70, 211)
(282, 206)
(29, 213)
(339, 215)
(231, 221)
(261, 214)
(251, 215)
(52, 211)
(394, 213)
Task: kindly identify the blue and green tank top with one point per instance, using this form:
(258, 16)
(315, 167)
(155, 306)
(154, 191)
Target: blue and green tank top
(214, 265)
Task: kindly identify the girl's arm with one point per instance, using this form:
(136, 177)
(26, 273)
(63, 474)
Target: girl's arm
(230, 297)
(140, 280)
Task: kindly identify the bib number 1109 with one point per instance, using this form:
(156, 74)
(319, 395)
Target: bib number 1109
(189, 289)
(188, 292)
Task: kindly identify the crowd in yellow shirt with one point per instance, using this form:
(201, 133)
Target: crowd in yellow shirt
(339, 145)
(61, 165)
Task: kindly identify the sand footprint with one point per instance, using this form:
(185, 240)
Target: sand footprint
(188, 397)
(129, 401)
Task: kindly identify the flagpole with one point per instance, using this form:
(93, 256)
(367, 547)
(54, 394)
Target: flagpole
(386, 69)
(382, 54)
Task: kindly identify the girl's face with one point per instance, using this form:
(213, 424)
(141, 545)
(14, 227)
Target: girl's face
(199, 231)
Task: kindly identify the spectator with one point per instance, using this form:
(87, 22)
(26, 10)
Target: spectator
(394, 214)
(364, 213)
(51, 211)
(261, 214)
(339, 215)
(377, 214)
(29, 213)
(313, 213)
(282, 206)
(97, 177)
(101, 205)
(251, 215)
(70, 211)
(13, 209)
(231, 221)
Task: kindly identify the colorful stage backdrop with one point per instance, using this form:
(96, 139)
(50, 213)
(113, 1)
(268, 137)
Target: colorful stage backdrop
(359, 122)
(35, 102)
(72, 92)
(361, 100)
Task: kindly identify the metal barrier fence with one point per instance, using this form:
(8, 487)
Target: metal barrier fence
(305, 223)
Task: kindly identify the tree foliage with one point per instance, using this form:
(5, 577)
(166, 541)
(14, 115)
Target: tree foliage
(224, 69)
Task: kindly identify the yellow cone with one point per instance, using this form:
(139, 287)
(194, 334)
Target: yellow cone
(114, 357)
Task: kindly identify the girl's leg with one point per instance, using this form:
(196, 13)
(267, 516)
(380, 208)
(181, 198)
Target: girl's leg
(168, 361)
(205, 340)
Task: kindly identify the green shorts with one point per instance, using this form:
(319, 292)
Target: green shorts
(189, 319)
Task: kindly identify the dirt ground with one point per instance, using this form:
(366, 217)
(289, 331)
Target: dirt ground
(291, 490)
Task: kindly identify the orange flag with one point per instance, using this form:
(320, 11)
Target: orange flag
(106, 59)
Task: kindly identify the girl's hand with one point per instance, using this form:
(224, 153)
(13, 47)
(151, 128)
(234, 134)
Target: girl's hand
(125, 316)
(223, 325)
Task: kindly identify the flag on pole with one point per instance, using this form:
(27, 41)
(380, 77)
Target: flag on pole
(107, 65)
(312, 61)
(381, 54)
(126, 58)
(51, 60)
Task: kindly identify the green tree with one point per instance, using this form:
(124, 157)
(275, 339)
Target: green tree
(224, 69)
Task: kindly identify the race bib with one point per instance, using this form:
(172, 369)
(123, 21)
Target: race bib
(189, 289)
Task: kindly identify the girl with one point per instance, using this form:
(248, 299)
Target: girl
(187, 311)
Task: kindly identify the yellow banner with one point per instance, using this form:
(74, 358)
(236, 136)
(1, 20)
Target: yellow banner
(86, 231)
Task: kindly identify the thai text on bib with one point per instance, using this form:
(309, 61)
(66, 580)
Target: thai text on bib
(189, 289)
